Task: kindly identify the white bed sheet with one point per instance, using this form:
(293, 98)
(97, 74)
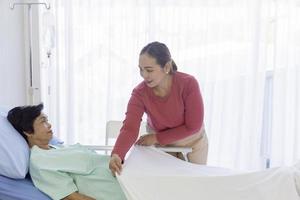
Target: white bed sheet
(150, 174)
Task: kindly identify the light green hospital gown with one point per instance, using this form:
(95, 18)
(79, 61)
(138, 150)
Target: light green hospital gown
(62, 171)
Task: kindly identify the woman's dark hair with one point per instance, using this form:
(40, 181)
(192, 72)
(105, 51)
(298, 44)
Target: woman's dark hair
(161, 53)
(22, 118)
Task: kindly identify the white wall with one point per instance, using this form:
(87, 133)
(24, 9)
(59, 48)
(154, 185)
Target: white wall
(12, 56)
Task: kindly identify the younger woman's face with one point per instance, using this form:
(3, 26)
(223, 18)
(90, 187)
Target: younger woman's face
(152, 73)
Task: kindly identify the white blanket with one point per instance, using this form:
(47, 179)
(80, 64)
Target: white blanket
(150, 174)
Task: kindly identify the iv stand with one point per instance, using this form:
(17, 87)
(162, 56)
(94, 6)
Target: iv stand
(47, 6)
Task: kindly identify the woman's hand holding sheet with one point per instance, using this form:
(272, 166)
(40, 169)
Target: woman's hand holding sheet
(115, 164)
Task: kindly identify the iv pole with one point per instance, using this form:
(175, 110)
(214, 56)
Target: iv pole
(47, 6)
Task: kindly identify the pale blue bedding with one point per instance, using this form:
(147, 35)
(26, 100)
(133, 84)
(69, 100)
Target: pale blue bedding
(19, 189)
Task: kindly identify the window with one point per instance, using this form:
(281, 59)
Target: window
(229, 46)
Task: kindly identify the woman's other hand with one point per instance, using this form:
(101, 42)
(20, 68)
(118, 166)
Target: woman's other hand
(147, 140)
(115, 164)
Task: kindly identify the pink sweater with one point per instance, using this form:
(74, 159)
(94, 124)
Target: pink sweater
(173, 117)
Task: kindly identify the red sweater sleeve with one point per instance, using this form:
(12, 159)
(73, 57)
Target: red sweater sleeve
(193, 115)
(130, 129)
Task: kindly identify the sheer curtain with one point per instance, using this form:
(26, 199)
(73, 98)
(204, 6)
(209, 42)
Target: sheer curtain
(285, 140)
(224, 44)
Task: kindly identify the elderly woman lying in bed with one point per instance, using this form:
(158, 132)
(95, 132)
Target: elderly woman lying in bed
(77, 173)
(72, 172)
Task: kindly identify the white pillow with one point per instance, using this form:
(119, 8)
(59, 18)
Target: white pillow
(4, 110)
(14, 151)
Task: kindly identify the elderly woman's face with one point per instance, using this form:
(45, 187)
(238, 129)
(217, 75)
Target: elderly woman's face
(152, 73)
(42, 131)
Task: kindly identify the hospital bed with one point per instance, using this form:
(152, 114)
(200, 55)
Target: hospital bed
(151, 174)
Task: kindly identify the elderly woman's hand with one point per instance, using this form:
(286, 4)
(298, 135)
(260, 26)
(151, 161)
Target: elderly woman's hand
(147, 140)
(115, 164)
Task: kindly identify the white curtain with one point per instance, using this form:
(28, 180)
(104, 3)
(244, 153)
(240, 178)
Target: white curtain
(227, 45)
(285, 140)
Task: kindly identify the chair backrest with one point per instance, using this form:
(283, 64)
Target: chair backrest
(113, 129)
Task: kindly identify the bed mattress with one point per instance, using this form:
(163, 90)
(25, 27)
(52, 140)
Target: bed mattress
(19, 189)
